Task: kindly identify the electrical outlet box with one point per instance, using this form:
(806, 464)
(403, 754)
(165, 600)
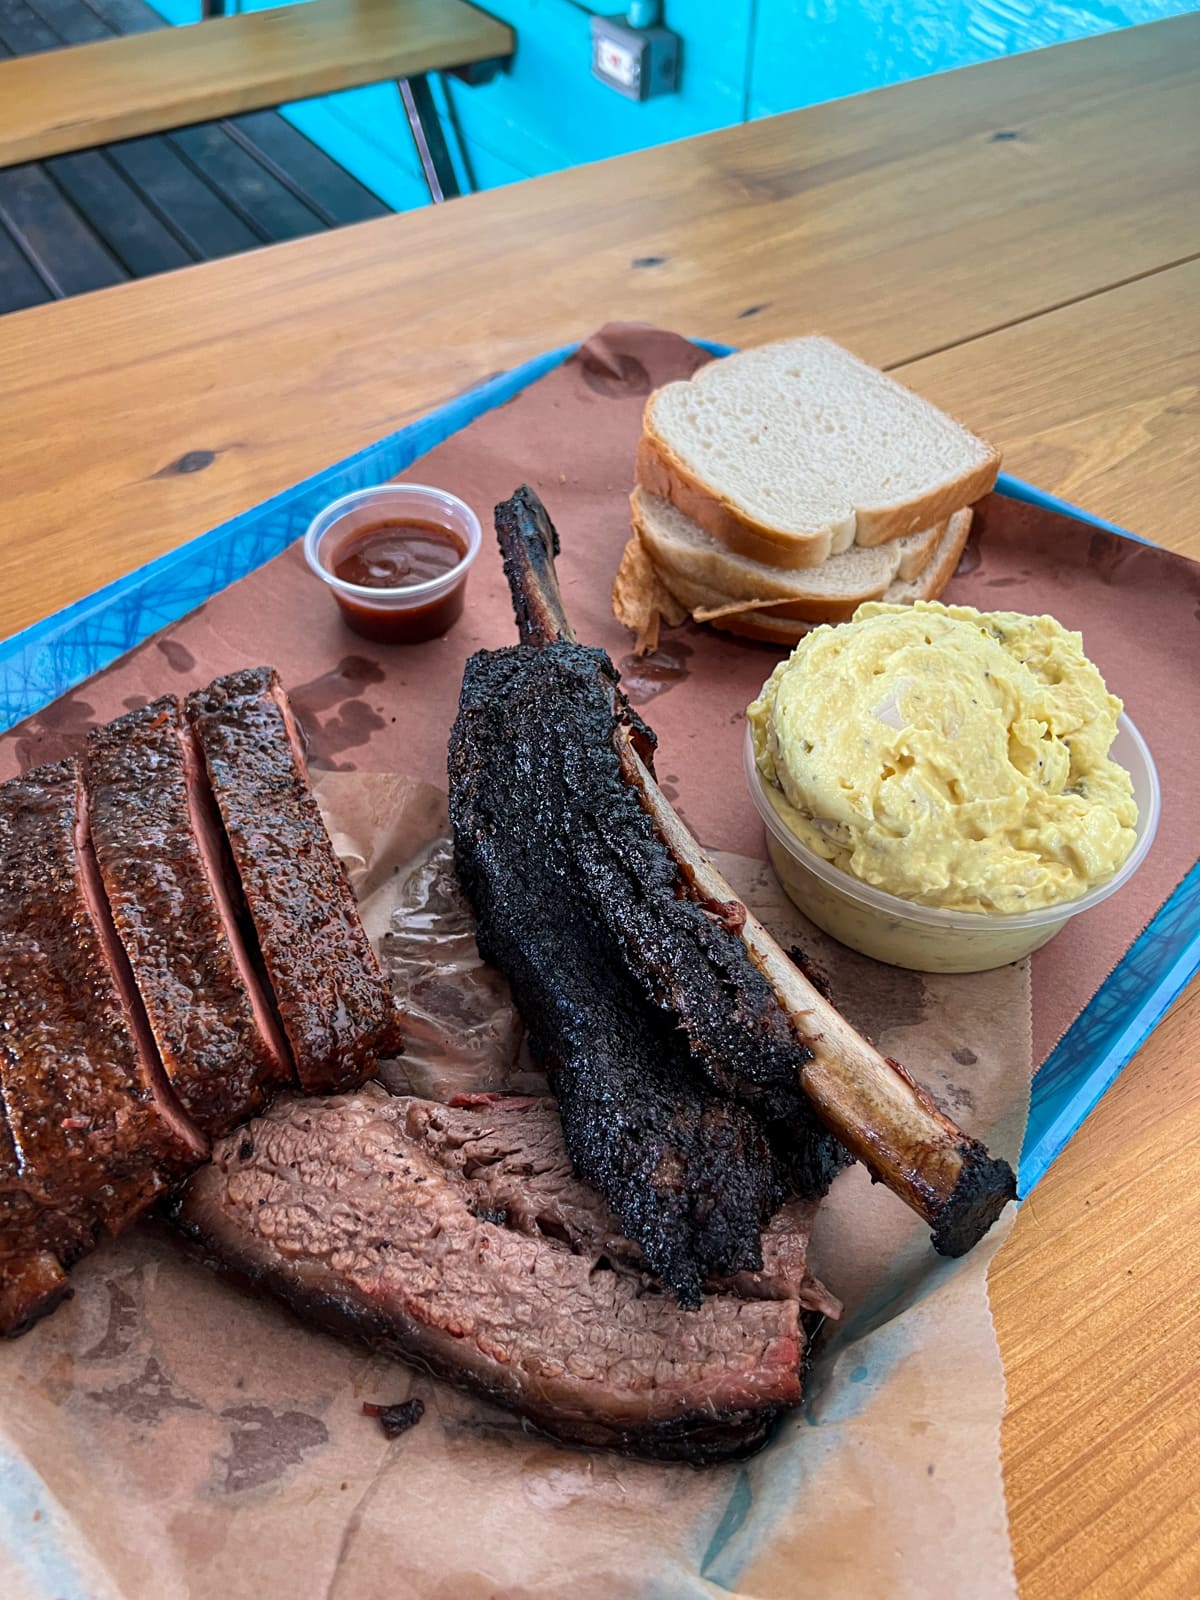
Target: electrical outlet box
(637, 62)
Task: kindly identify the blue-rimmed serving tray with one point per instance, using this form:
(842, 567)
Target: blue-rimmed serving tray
(44, 661)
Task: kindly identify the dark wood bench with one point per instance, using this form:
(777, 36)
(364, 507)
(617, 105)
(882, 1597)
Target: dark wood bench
(93, 94)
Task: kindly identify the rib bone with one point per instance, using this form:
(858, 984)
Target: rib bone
(876, 1108)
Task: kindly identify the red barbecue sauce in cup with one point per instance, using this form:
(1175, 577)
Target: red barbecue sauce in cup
(396, 560)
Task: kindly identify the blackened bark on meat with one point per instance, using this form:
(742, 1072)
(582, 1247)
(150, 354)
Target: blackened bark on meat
(559, 775)
(529, 545)
(537, 803)
(675, 1070)
(674, 946)
(336, 1009)
(397, 1419)
(883, 1116)
(508, 1151)
(367, 1215)
(168, 883)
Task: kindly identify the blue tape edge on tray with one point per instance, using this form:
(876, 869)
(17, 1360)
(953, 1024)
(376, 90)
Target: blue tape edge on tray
(46, 660)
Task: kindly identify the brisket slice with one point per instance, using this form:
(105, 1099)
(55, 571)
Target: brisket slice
(455, 1237)
(335, 1007)
(175, 901)
(509, 1150)
(93, 1132)
(647, 1019)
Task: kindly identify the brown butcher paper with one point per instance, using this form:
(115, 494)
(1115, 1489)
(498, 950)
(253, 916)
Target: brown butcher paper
(169, 1437)
(164, 1436)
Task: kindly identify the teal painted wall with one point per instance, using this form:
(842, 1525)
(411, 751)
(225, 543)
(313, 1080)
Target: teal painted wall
(806, 51)
(741, 59)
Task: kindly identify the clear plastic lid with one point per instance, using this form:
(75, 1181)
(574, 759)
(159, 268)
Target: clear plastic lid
(417, 502)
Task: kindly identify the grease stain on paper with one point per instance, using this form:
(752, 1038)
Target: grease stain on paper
(263, 1444)
(124, 1319)
(353, 721)
(147, 1399)
(177, 656)
(875, 998)
(643, 678)
(56, 732)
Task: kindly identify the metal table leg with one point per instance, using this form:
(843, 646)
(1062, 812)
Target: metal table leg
(427, 134)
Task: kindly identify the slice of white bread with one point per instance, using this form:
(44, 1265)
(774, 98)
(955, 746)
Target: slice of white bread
(792, 452)
(753, 622)
(680, 548)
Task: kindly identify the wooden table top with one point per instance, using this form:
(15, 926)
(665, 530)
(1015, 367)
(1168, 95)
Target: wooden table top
(1020, 241)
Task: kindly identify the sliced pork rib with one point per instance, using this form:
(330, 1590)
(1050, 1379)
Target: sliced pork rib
(176, 903)
(137, 1011)
(456, 1237)
(93, 1132)
(336, 1010)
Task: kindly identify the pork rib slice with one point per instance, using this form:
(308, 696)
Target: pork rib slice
(336, 1010)
(455, 1237)
(872, 1104)
(175, 903)
(93, 1130)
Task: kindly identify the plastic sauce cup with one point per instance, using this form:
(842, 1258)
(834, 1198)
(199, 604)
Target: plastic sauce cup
(407, 613)
(927, 938)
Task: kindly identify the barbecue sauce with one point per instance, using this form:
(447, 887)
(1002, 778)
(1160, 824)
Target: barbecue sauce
(398, 554)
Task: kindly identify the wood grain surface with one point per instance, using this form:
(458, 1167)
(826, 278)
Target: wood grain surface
(91, 94)
(896, 222)
(1099, 401)
(1019, 240)
(1097, 1304)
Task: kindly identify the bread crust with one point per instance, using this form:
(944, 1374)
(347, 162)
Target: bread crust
(966, 489)
(773, 627)
(704, 568)
(941, 569)
(697, 596)
(660, 471)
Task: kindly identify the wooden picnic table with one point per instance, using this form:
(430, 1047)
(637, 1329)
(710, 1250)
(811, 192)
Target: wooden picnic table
(1019, 240)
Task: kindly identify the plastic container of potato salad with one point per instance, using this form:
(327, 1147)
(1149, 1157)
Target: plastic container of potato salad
(927, 938)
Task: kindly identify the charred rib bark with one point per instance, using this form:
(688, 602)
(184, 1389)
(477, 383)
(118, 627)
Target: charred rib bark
(335, 1008)
(752, 1024)
(174, 897)
(89, 1129)
(689, 1172)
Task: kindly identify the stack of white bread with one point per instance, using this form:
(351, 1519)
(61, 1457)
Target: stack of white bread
(783, 486)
